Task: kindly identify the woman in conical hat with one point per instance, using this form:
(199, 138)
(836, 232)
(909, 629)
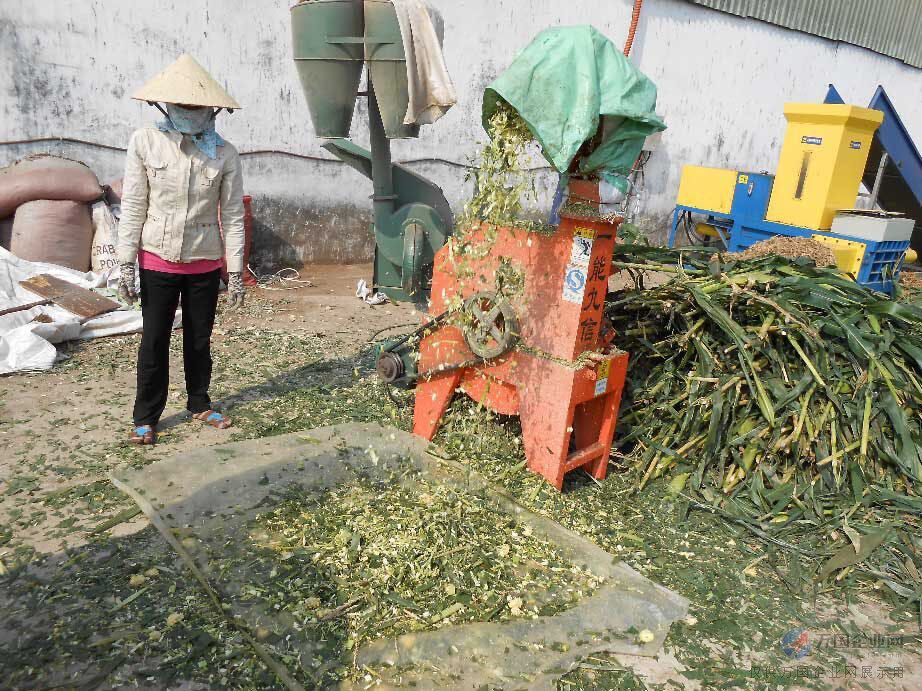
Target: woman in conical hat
(181, 178)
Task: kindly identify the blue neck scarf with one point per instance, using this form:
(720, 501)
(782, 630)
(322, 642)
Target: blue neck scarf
(195, 125)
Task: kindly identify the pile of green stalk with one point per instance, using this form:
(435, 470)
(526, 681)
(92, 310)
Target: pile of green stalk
(783, 396)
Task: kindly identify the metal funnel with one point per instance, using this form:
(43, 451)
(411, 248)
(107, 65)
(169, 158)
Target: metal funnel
(387, 64)
(329, 53)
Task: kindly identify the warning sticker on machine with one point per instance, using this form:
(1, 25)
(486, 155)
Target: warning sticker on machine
(811, 140)
(854, 145)
(581, 252)
(601, 382)
(574, 283)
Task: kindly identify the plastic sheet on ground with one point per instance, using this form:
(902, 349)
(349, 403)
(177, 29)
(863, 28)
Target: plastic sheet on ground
(28, 345)
(205, 502)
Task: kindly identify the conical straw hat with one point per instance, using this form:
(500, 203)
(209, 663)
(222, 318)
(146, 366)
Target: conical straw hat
(186, 82)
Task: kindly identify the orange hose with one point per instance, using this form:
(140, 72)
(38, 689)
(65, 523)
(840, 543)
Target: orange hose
(635, 19)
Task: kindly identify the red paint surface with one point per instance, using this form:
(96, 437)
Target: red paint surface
(565, 424)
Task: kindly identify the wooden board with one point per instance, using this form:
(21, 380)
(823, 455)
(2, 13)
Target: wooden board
(80, 301)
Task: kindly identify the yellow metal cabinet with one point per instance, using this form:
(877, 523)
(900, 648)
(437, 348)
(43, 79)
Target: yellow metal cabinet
(709, 189)
(822, 159)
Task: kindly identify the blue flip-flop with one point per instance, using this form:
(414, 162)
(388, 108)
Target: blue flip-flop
(145, 435)
(215, 419)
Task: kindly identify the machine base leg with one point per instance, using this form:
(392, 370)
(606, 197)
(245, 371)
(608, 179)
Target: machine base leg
(546, 438)
(562, 434)
(432, 398)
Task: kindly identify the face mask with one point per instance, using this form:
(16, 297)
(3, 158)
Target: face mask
(188, 120)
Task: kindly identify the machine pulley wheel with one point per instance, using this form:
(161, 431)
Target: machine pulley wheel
(414, 240)
(390, 367)
(491, 327)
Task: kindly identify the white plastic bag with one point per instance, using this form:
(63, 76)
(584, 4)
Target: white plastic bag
(105, 231)
(28, 345)
(367, 295)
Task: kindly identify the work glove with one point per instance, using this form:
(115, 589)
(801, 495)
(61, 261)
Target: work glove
(235, 290)
(126, 283)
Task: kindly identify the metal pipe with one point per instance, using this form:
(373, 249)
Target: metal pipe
(382, 173)
(635, 19)
(884, 159)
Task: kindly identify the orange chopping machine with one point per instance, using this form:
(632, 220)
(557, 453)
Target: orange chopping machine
(516, 316)
(523, 332)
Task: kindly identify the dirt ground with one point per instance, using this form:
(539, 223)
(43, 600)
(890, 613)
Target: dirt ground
(71, 545)
(64, 417)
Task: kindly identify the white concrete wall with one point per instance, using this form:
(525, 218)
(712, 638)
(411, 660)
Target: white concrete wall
(67, 68)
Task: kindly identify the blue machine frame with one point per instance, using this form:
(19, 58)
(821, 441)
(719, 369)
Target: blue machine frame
(745, 225)
(894, 139)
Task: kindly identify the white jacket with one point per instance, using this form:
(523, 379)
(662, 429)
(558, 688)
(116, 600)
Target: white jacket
(170, 201)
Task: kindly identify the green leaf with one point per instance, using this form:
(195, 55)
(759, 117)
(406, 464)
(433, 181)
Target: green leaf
(677, 484)
(847, 556)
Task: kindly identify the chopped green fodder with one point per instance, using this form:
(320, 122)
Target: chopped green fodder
(388, 560)
(500, 186)
(500, 181)
(587, 210)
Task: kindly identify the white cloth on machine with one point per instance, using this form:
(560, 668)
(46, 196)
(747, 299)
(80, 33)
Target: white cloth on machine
(430, 88)
(28, 345)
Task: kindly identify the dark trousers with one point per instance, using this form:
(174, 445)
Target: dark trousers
(160, 295)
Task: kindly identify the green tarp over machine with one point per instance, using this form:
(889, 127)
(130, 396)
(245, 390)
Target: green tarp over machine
(572, 85)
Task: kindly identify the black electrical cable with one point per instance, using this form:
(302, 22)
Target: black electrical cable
(69, 140)
(694, 237)
(377, 333)
(687, 225)
(390, 394)
(254, 152)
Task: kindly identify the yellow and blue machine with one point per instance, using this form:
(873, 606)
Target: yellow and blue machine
(812, 195)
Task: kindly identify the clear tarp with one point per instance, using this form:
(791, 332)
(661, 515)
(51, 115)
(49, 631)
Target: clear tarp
(207, 501)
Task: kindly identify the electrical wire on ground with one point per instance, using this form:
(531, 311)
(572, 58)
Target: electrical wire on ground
(286, 279)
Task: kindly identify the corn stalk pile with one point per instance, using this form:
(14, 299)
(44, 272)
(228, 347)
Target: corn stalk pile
(782, 395)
